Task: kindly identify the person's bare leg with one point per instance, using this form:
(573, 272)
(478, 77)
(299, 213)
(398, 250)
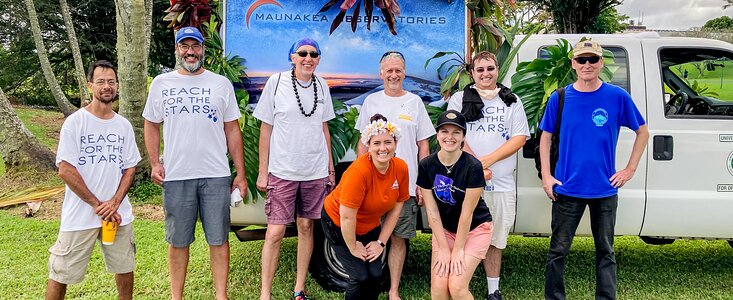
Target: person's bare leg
(219, 256)
(55, 290)
(396, 261)
(270, 255)
(492, 268)
(458, 285)
(305, 250)
(177, 267)
(124, 283)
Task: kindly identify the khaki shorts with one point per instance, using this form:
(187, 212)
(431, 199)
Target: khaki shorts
(406, 227)
(73, 249)
(503, 207)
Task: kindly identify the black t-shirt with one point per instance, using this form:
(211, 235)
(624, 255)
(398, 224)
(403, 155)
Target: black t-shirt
(450, 189)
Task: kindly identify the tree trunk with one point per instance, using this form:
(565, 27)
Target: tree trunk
(74, 45)
(18, 146)
(64, 105)
(134, 20)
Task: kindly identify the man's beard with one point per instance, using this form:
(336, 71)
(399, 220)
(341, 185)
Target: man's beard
(191, 68)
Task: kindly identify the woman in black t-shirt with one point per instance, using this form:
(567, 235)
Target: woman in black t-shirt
(451, 183)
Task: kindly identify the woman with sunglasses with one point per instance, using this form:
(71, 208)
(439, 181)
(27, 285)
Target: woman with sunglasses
(497, 129)
(374, 186)
(451, 182)
(294, 158)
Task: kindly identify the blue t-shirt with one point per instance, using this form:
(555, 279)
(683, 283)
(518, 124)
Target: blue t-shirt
(588, 137)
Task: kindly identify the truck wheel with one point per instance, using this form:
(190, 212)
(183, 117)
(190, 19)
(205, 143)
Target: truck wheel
(327, 269)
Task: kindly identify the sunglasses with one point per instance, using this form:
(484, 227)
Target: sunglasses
(584, 59)
(392, 53)
(314, 54)
(487, 69)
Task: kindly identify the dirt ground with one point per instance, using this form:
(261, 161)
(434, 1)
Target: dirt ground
(51, 210)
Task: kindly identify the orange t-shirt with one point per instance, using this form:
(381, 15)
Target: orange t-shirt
(373, 194)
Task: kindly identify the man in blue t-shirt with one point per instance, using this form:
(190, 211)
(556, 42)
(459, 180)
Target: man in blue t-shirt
(585, 172)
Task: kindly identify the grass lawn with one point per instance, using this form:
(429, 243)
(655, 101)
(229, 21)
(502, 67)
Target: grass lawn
(683, 270)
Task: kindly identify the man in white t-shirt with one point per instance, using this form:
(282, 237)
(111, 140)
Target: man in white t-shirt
(407, 111)
(295, 165)
(96, 157)
(496, 129)
(201, 115)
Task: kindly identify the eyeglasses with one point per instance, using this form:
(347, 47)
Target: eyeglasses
(314, 54)
(107, 82)
(487, 69)
(584, 59)
(392, 53)
(185, 47)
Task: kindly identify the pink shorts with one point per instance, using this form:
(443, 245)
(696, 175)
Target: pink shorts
(285, 198)
(477, 242)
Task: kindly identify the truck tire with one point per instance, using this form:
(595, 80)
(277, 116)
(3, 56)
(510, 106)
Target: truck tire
(328, 271)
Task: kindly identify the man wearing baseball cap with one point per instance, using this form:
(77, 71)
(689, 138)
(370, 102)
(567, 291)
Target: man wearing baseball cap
(585, 175)
(200, 112)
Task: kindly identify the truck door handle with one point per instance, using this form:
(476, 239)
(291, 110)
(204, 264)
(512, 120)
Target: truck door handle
(663, 147)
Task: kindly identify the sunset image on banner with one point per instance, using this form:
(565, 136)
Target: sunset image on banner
(352, 35)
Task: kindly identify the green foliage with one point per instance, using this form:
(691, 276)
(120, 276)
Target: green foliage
(724, 23)
(576, 16)
(215, 59)
(549, 73)
(608, 21)
(146, 192)
(344, 135)
(20, 73)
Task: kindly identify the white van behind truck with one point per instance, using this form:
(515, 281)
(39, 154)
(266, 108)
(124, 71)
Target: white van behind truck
(683, 187)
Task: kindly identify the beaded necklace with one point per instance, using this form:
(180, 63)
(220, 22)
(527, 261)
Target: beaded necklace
(297, 96)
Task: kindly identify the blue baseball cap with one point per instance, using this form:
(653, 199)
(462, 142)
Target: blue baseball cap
(189, 33)
(303, 42)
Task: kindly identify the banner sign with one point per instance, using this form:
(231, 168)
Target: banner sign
(262, 32)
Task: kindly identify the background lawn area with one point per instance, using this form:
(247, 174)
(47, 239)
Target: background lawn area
(683, 270)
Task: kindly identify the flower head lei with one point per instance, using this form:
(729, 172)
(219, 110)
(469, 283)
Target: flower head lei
(378, 127)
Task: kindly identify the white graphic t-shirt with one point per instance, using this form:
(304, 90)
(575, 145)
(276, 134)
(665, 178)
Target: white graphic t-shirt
(485, 135)
(193, 109)
(100, 150)
(408, 112)
(298, 149)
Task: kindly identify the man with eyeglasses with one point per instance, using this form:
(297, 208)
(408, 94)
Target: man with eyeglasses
(295, 165)
(585, 175)
(201, 115)
(96, 156)
(408, 112)
(496, 129)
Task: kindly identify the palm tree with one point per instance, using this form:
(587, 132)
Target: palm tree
(76, 53)
(64, 105)
(729, 3)
(19, 148)
(134, 21)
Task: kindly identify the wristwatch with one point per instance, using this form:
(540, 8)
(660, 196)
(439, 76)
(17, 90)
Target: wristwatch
(381, 243)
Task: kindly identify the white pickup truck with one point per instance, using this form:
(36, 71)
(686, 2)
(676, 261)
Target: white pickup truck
(683, 187)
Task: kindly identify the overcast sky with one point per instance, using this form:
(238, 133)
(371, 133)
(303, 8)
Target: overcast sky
(673, 14)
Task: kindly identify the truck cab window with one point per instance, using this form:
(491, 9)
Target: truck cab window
(698, 83)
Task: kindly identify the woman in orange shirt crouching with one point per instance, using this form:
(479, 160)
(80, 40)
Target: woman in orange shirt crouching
(375, 184)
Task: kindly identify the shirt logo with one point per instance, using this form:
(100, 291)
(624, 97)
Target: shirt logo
(443, 189)
(395, 185)
(599, 117)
